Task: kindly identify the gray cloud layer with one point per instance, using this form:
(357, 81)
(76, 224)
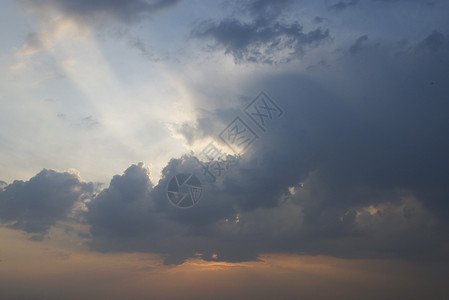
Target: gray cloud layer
(372, 157)
(264, 38)
(374, 174)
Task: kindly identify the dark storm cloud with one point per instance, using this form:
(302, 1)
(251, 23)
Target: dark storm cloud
(367, 137)
(265, 38)
(382, 146)
(373, 163)
(343, 4)
(35, 205)
(125, 11)
(389, 134)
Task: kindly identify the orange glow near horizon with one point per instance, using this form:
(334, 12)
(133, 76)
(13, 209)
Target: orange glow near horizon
(38, 269)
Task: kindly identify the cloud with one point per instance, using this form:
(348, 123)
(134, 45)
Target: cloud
(126, 12)
(222, 227)
(318, 19)
(382, 146)
(356, 167)
(35, 42)
(63, 18)
(367, 171)
(265, 9)
(341, 5)
(121, 210)
(144, 50)
(357, 46)
(89, 122)
(435, 42)
(367, 191)
(35, 205)
(265, 39)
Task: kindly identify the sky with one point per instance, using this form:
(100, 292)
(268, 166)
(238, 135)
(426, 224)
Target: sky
(224, 149)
